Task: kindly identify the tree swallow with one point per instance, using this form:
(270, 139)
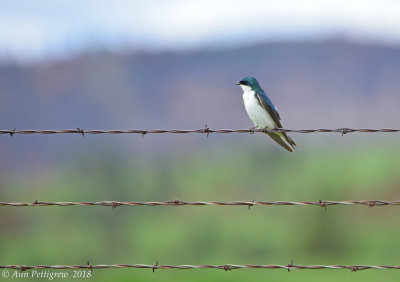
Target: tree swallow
(262, 112)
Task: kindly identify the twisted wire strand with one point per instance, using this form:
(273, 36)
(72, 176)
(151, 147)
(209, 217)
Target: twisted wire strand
(369, 203)
(201, 266)
(205, 130)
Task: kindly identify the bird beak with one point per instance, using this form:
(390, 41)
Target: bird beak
(237, 83)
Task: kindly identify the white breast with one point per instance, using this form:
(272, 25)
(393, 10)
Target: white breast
(260, 117)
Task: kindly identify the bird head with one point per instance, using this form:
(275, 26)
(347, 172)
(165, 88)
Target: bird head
(249, 83)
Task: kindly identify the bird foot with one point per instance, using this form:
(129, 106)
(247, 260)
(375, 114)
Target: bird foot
(266, 129)
(252, 130)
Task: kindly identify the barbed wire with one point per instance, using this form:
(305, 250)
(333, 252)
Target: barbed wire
(225, 267)
(114, 204)
(204, 130)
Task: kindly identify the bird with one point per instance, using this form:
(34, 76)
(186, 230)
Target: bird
(262, 112)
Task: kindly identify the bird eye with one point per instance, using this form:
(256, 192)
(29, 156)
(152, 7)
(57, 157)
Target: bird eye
(244, 83)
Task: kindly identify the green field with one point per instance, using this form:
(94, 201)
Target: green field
(210, 234)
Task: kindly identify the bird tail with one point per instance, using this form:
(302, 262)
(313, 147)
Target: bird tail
(283, 139)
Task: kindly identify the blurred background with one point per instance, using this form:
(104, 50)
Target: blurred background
(173, 64)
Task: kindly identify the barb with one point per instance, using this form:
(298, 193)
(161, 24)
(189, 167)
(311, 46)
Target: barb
(175, 203)
(225, 267)
(204, 130)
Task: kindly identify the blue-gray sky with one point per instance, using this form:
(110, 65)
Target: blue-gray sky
(31, 30)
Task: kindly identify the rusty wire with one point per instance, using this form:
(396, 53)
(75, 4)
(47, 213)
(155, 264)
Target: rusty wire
(225, 267)
(205, 130)
(369, 203)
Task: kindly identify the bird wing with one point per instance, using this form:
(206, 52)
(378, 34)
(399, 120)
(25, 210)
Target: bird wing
(266, 103)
